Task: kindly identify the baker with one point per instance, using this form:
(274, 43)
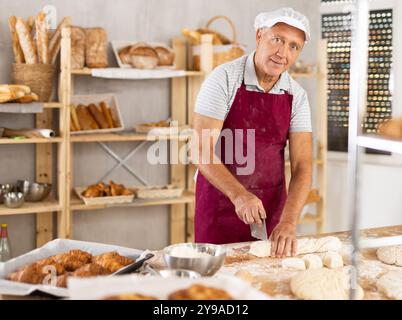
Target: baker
(257, 107)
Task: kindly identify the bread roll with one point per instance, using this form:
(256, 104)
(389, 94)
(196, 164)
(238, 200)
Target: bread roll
(26, 42)
(165, 56)
(143, 56)
(77, 48)
(107, 114)
(96, 48)
(98, 116)
(87, 122)
(124, 55)
(18, 54)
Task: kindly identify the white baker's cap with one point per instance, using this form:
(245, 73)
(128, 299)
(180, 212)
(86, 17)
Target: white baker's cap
(285, 15)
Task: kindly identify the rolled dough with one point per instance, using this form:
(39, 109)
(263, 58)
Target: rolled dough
(391, 284)
(322, 284)
(312, 261)
(293, 264)
(304, 246)
(332, 260)
(390, 255)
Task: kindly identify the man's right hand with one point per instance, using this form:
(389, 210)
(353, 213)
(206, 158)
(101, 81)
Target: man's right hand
(249, 208)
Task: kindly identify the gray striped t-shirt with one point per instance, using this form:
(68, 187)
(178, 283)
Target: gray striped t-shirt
(219, 90)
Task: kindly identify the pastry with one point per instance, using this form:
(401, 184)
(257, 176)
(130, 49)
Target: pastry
(130, 296)
(75, 117)
(107, 113)
(112, 261)
(165, 56)
(90, 270)
(87, 122)
(200, 292)
(28, 98)
(96, 48)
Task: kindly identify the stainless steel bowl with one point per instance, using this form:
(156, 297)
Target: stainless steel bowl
(14, 199)
(206, 265)
(4, 189)
(32, 191)
(179, 273)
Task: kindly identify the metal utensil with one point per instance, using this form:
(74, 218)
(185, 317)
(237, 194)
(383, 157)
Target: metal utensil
(4, 189)
(134, 266)
(34, 192)
(259, 231)
(13, 200)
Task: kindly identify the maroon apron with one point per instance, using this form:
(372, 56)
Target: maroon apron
(269, 114)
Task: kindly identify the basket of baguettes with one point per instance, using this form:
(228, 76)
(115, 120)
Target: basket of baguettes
(35, 52)
(98, 113)
(224, 49)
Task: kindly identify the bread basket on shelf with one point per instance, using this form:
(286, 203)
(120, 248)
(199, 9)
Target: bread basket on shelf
(155, 192)
(224, 50)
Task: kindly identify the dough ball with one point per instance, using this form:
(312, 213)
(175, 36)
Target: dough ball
(328, 244)
(390, 255)
(312, 261)
(391, 284)
(293, 264)
(332, 260)
(261, 248)
(322, 284)
(245, 275)
(346, 253)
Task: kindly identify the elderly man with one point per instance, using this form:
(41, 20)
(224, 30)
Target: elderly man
(256, 92)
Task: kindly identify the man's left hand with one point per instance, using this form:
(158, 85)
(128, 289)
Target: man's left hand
(283, 240)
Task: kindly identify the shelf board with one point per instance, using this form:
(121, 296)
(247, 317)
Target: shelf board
(30, 140)
(122, 73)
(122, 137)
(50, 205)
(187, 197)
(309, 218)
(379, 143)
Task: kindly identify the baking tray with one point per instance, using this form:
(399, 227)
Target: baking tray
(103, 200)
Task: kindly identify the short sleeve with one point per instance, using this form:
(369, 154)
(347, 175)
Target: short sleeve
(301, 115)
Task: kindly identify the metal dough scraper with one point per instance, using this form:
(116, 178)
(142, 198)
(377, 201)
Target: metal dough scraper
(259, 231)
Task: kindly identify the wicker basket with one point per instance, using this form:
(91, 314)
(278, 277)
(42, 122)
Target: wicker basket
(221, 53)
(169, 191)
(39, 77)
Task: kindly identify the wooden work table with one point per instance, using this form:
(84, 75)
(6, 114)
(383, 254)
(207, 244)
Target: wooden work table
(269, 277)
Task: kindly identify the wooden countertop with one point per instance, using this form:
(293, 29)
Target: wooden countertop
(269, 277)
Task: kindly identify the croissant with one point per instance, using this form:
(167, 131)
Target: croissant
(29, 274)
(90, 270)
(62, 280)
(82, 256)
(112, 261)
(50, 262)
(69, 263)
(91, 192)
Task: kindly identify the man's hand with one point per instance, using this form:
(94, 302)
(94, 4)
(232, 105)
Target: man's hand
(283, 240)
(249, 208)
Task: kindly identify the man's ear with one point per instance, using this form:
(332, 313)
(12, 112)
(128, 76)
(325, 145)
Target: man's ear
(258, 35)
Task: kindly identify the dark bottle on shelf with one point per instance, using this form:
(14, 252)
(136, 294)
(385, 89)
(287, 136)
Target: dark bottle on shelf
(5, 249)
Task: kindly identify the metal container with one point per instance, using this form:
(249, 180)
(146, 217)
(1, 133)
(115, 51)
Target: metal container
(14, 200)
(179, 273)
(4, 189)
(32, 191)
(206, 265)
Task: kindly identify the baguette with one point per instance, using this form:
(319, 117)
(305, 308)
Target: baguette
(107, 113)
(10, 96)
(18, 54)
(98, 116)
(26, 42)
(30, 22)
(75, 117)
(87, 122)
(72, 125)
(42, 38)
(55, 41)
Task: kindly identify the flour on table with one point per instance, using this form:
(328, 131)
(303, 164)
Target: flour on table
(390, 255)
(304, 246)
(391, 284)
(322, 284)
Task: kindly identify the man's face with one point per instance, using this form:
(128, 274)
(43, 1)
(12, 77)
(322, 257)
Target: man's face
(278, 48)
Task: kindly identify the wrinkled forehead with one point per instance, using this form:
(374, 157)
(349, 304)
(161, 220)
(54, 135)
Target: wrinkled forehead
(285, 31)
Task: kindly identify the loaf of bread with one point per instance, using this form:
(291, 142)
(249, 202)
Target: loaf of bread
(18, 54)
(124, 55)
(74, 117)
(42, 38)
(87, 122)
(55, 41)
(143, 56)
(98, 116)
(96, 48)
(107, 113)
(77, 48)
(26, 42)
(165, 56)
